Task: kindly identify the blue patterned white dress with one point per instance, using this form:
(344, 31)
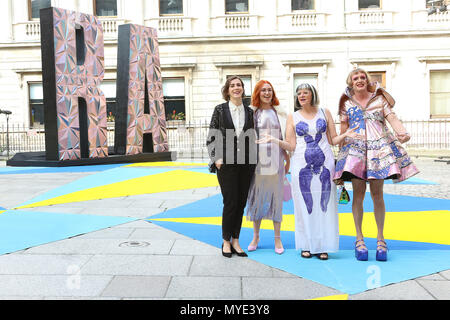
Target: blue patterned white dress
(313, 189)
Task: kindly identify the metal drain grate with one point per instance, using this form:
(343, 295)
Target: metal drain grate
(134, 244)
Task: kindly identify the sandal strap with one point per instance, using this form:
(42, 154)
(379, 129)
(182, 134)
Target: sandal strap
(361, 244)
(382, 245)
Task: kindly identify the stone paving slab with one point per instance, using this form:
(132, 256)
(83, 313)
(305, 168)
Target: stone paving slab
(110, 233)
(104, 246)
(407, 290)
(157, 234)
(283, 288)
(53, 285)
(41, 264)
(139, 265)
(439, 289)
(236, 266)
(134, 212)
(445, 274)
(192, 247)
(137, 287)
(197, 287)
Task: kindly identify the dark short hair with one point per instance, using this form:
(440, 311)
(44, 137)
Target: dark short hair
(226, 86)
(314, 99)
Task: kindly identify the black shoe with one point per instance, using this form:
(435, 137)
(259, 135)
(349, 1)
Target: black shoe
(227, 254)
(240, 254)
(322, 256)
(306, 254)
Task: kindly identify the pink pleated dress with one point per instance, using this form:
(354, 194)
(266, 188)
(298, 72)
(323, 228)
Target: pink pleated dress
(380, 155)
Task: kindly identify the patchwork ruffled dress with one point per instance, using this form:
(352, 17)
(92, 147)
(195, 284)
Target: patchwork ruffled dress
(380, 155)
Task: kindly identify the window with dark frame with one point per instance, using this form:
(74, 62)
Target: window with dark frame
(302, 5)
(369, 4)
(378, 76)
(105, 8)
(36, 105)
(167, 7)
(108, 88)
(436, 3)
(174, 98)
(440, 94)
(34, 7)
(236, 6)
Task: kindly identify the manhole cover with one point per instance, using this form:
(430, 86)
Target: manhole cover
(134, 244)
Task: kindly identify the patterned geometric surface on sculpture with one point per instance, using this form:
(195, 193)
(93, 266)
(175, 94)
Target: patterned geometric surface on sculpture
(74, 80)
(138, 46)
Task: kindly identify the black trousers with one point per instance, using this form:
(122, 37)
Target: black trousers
(234, 181)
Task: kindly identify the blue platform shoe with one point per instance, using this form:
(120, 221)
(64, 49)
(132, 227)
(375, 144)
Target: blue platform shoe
(381, 253)
(361, 254)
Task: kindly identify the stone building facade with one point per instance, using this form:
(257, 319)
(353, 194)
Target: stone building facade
(404, 44)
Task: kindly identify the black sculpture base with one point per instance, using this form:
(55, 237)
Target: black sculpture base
(37, 159)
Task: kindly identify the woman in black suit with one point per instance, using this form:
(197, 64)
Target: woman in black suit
(232, 150)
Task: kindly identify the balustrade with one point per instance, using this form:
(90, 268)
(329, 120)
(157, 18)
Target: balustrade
(171, 24)
(370, 18)
(304, 20)
(33, 30)
(439, 17)
(237, 22)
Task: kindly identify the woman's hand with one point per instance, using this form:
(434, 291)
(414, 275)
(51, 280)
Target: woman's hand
(403, 137)
(266, 138)
(350, 133)
(287, 164)
(219, 163)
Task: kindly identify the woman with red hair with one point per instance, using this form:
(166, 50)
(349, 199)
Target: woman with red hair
(265, 200)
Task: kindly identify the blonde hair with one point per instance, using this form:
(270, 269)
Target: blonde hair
(370, 86)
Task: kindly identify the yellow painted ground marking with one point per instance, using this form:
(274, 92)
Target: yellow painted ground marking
(416, 226)
(161, 182)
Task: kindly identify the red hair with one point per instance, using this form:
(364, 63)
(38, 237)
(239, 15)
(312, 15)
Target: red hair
(256, 101)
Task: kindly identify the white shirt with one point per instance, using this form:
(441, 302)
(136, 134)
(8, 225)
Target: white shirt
(238, 116)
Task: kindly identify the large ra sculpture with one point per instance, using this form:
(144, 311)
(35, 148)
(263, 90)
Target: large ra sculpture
(75, 107)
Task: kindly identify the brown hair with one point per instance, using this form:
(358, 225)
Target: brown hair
(226, 86)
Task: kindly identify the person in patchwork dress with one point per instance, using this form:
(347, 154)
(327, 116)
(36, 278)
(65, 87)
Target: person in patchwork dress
(380, 156)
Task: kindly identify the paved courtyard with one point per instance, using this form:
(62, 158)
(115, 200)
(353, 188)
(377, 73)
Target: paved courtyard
(141, 260)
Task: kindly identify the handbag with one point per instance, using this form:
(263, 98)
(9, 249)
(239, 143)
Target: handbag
(287, 192)
(212, 167)
(343, 196)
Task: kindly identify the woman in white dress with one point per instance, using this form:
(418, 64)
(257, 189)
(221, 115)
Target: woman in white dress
(309, 132)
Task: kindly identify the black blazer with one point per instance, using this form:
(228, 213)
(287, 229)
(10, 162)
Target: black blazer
(233, 149)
